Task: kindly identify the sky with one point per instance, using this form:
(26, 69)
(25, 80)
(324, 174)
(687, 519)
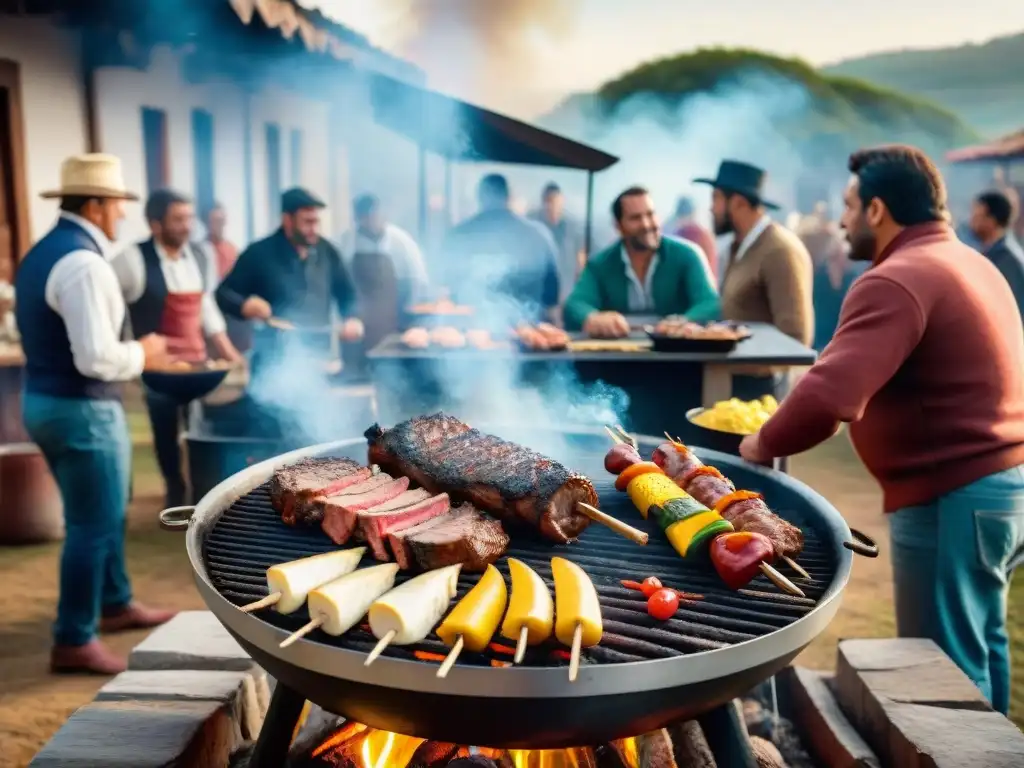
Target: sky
(608, 37)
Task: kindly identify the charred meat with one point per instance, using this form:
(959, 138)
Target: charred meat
(293, 488)
(518, 485)
(464, 536)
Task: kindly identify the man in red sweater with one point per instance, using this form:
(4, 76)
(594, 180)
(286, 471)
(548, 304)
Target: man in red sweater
(927, 367)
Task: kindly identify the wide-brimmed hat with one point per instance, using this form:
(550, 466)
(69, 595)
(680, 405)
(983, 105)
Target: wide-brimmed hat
(741, 179)
(93, 175)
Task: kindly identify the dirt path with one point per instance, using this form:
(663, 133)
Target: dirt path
(33, 704)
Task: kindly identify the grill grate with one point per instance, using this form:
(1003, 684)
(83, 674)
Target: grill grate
(250, 537)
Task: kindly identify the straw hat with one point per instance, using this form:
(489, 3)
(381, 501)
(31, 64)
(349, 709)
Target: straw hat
(92, 175)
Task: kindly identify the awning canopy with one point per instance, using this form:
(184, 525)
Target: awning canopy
(460, 131)
(1009, 147)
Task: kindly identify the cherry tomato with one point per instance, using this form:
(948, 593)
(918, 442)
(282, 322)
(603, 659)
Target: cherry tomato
(650, 585)
(662, 605)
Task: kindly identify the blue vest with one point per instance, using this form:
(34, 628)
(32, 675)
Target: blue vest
(49, 365)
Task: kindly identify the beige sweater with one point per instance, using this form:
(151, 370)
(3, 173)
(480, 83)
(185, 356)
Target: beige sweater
(772, 284)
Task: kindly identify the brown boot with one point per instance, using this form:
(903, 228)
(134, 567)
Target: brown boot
(93, 658)
(135, 616)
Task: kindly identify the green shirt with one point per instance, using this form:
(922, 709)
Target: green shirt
(681, 285)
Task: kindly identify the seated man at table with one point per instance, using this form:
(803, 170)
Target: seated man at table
(643, 273)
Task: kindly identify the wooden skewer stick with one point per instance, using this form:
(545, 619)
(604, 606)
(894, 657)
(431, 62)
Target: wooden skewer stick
(280, 324)
(615, 438)
(450, 659)
(797, 567)
(613, 523)
(266, 602)
(380, 647)
(574, 654)
(781, 581)
(626, 437)
(524, 633)
(301, 632)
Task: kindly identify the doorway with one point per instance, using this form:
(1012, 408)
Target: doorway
(14, 233)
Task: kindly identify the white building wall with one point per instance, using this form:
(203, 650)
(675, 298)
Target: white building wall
(122, 93)
(53, 102)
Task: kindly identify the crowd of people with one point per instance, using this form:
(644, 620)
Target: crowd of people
(920, 334)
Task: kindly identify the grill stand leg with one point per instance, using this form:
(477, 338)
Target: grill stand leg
(726, 734)
(275, 737)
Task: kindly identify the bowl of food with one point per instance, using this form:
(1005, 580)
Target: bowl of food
(185, 382)
(677, 334)
(723, 426)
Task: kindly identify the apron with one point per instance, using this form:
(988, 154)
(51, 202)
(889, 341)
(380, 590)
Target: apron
(379, 302)
(181, 322)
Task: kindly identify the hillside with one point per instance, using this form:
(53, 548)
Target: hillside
(676, 118)
(980, 83)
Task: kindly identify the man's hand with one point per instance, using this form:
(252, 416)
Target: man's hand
(752, 451)
(154, 349)
(606, 325)
(225, 349)
(256, 308)
(352, 329)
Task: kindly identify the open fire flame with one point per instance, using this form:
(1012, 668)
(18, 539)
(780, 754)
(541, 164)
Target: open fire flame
(356, 746)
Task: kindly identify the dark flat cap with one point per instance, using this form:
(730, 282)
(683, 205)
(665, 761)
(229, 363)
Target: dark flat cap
(297, 198)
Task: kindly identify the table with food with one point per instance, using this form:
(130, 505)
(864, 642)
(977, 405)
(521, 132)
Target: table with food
(666, 366)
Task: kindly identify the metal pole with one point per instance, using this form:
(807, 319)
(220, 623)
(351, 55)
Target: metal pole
(590, 214)
(423, 193)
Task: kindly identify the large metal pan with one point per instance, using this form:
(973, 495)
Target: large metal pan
(518, 707)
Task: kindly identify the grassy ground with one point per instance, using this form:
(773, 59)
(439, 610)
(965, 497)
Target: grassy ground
(33, 704)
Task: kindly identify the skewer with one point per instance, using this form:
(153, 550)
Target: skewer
(613, 523)
(615, 438)
(524, 633)
(301, 632)
(450, 659)
(781, 581)
(279, 324)
(265, 602)
(797, 567)
(628, 438)
(380, 647)
(574, 654)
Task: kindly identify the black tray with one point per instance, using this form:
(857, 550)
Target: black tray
(675, 344)
(185, 386)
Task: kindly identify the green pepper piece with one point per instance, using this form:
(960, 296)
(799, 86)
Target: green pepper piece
(701, 542)
(676, 510)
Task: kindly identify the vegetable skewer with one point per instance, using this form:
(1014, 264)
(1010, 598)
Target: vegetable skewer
(290, 583)
(577, 611)
(691, 527)
(531, 612)
(338, 606)
(407, 613)
(473, 622)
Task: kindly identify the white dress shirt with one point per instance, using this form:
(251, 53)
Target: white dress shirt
(85, 292)
(181, 275)
(400, 246)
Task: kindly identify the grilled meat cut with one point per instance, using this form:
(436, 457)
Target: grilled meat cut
(293, 488)
(339, 511)
(377, 525)
(464, 536)
(512, 482)
(707, 486)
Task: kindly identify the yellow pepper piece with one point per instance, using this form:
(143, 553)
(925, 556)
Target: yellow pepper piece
(531, 605)
(576, 603)
(651, 490)
(681, 534)
(478, 614)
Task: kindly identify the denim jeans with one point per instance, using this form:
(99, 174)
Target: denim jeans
(87, 447)
(952, 563)
(166, 417)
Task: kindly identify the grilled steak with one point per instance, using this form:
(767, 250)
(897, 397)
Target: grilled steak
(403, 499)
(465, 536)
(376, 525)
(293, 488)
(514, 483)
(399, 540)
(339, 511)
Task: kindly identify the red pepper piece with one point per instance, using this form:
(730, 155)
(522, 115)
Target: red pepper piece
(632, 585)
(738, 556)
